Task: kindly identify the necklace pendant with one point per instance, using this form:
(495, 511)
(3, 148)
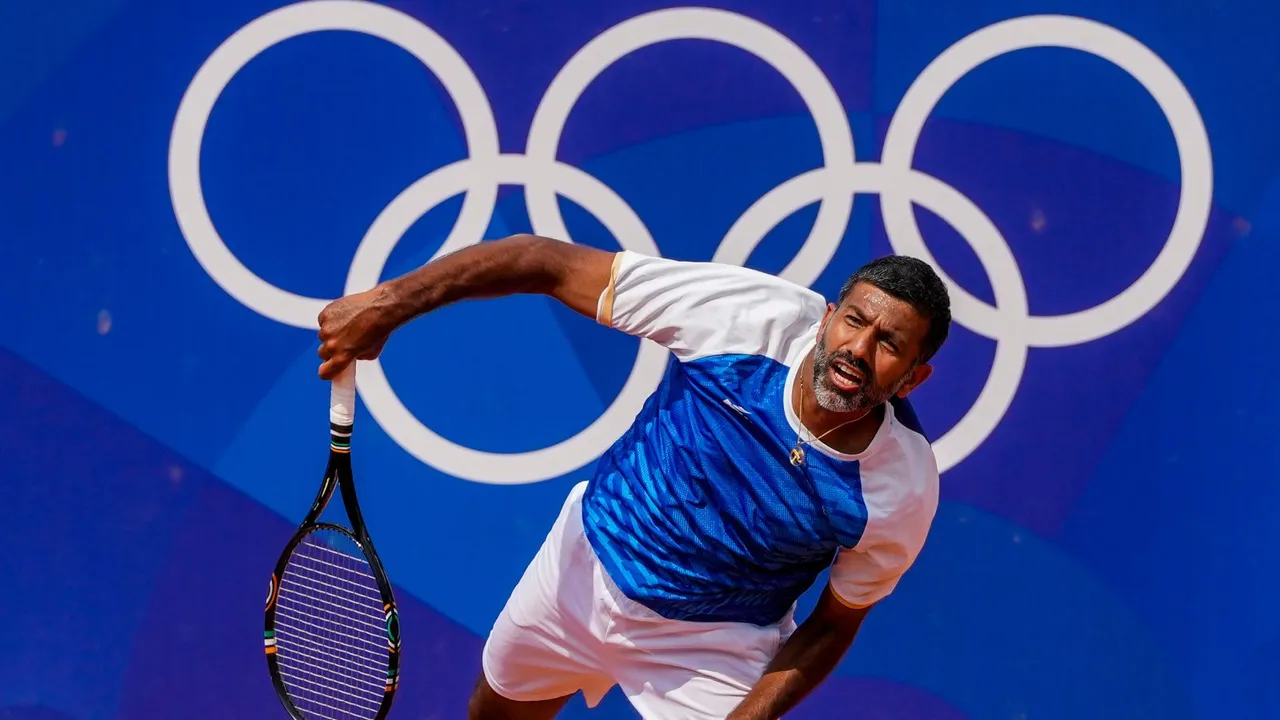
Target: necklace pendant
(797, 456)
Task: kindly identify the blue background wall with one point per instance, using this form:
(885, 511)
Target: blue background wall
(1107, 550)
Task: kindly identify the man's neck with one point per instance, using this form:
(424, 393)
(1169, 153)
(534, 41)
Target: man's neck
(850, 432)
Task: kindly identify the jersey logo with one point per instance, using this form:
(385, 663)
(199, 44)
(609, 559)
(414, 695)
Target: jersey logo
(736, 408)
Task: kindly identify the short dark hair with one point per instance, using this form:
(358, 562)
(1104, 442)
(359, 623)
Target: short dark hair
(913, 281)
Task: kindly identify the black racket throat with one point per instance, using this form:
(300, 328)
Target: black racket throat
(332, 630)
(338, 477)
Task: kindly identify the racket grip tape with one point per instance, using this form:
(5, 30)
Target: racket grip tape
(342, 397)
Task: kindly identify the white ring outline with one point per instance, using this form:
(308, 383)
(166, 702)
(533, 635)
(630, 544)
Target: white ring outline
(743, 33)
(246, 44)
(1008, 322)
(1190, 137)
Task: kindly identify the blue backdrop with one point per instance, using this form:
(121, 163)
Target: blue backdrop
(184, 184)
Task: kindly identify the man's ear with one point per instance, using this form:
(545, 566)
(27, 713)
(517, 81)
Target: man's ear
(918, 376)
(826, 317)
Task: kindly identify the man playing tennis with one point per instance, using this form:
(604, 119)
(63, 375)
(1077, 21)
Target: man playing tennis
(779, 445)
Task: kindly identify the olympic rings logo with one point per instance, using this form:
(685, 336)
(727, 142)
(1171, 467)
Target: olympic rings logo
(834, 185)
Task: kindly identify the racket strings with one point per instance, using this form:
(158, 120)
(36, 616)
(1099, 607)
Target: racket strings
(331, 634)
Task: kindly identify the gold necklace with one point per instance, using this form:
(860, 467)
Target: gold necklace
(797, 452)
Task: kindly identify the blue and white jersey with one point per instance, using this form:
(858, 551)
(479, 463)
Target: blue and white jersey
(696, 512)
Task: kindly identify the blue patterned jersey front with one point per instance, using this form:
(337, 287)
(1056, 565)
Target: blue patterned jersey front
(696, 511)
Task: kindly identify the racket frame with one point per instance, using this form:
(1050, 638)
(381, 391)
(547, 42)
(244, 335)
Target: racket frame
(337, 476)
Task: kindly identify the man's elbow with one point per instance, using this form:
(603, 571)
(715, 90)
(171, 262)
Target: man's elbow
(538, 261)
(543, 256)
(576, 275)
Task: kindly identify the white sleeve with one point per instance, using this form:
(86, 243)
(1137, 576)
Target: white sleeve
(900, 512)
(695, 309)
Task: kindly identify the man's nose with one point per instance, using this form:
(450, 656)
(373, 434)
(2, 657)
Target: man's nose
(862, 344)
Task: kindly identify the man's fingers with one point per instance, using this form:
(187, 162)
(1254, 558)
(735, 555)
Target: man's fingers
(334, 363)
(328, 350)
(330, 368)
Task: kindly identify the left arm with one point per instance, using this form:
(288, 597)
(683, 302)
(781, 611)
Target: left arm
(804, 661)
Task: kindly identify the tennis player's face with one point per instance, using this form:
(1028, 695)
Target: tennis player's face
(866, 351)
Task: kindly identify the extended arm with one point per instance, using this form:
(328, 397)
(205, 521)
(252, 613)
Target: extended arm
(357, 326)
(689, 308)
(521, 264)
(804, 661)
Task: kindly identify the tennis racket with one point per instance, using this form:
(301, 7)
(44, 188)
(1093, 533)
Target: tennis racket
(332, 633)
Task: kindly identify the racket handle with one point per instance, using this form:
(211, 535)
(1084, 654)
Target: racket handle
(342, 397)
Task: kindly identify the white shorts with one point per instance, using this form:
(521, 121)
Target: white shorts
(567, 627)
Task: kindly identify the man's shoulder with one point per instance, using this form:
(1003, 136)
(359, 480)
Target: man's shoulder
(708, 280)
(904, 414)
(915, 455)
(700, 309)
(902, 478)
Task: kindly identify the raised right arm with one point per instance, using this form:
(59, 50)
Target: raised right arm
(357, 326)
